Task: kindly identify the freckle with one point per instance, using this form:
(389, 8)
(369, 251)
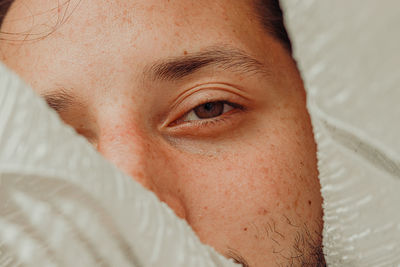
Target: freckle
(185, 52)
(309, 202)
(140, 174)
(262, 212)
(245, 229)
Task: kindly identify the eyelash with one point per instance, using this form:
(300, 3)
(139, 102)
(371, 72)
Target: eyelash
(203, 123)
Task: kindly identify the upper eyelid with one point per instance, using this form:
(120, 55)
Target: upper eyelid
(215, 101)
(211, 86)
(224, 102)
(211, 95)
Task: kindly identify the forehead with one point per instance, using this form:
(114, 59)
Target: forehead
(166, 22)
(159, 16)
(85, 33)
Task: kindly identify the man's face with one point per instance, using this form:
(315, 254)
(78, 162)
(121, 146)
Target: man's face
(196, 101)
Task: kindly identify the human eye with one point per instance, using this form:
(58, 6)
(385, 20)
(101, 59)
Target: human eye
(209, 110)
(209, 119)
(207, 114)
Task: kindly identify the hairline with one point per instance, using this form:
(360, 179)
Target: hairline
(270, 16)
(268, 12)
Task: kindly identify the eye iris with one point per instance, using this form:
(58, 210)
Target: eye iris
(209, 110)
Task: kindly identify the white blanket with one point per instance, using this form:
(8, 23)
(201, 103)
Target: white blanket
(62, 204)
(348, 54)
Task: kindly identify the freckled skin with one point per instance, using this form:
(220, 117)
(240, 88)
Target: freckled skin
(252, 187)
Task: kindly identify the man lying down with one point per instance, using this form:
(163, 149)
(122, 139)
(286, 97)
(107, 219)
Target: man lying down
(199, 101)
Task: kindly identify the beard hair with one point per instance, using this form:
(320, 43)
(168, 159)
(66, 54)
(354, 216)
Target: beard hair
(306, 250)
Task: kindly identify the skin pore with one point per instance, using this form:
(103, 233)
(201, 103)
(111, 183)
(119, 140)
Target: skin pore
(196, 101)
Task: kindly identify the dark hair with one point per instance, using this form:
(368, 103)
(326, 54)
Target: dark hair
(270, 15)
(4, 6)
(268, 11)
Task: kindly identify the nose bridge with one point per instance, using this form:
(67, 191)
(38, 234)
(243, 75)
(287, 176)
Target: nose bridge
(135, 154)
(124, 139)
(129, 149)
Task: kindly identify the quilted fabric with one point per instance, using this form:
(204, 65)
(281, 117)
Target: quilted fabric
(62, 204)
(348, 55)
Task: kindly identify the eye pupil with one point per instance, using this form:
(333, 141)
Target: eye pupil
(209, 106)
(209, 110)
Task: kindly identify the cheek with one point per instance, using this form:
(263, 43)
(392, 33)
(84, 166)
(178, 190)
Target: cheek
(273, 176)
(238, 184)
(231, 199)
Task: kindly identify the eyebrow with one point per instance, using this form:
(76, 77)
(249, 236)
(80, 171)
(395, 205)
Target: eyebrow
(237, 257)
(175, 68)
(60, 99)
(232, 59)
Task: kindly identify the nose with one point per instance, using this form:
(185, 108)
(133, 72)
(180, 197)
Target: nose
(130, 151)
(135, 153)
